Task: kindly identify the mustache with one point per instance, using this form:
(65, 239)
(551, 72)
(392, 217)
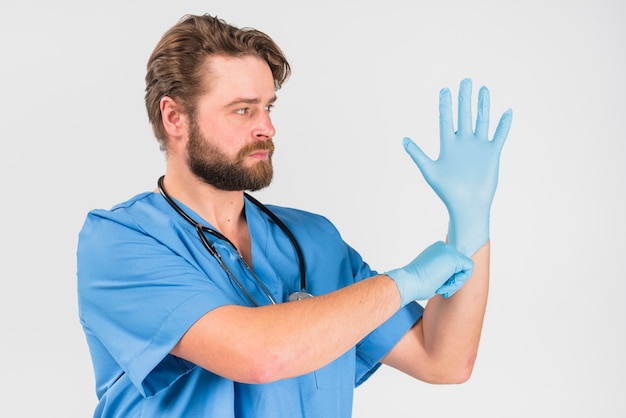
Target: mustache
(256, 146)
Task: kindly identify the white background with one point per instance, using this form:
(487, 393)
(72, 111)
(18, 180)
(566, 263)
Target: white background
(75, 136)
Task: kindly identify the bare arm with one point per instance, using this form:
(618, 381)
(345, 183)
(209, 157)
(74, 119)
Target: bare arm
(442, 346)
(264, 344)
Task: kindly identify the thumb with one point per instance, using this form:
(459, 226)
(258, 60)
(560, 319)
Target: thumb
(417, 155)
(502, 130)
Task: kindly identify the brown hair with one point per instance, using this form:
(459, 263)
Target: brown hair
(174, 68)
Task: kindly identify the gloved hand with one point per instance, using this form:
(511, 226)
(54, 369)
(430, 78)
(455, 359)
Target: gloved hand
(465, 175)
(439, 269)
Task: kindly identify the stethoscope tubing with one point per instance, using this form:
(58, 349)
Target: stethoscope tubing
(201, 229)
(289, 234)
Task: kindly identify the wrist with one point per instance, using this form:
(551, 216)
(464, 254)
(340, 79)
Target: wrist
(397, 276)
(468, 234)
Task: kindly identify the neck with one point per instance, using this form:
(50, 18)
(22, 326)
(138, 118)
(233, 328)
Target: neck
(224, 210)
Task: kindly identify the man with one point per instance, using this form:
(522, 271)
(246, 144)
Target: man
(196, 301)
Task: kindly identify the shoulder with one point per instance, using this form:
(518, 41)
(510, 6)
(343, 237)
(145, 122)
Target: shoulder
(139, 209)
(139, 218)
(303, 220)
(315, 232)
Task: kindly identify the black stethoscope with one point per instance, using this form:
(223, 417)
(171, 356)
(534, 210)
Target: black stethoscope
(200, 229)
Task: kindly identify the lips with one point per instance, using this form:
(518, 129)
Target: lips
(259, 149)
(260, 154)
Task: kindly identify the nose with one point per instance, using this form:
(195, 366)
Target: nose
(264, 128)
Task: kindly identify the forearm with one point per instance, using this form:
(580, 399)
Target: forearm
(452, 327)
(268, 343)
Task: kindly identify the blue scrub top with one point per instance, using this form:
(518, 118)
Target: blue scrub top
(144, 278)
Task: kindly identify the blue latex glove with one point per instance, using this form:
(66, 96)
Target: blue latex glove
(465, 175)
(439, 269)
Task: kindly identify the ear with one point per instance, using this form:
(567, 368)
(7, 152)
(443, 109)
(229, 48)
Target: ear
(173, 118)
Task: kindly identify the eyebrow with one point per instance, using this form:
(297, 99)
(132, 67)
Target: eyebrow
(243, 100)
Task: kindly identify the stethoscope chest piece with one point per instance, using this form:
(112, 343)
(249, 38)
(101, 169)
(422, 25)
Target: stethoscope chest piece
(299, 296)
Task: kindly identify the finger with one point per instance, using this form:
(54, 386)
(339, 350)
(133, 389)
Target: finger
(448, 288)
(482, 118)
(451, 285)
(457, 280)
(446, 125)
(417, 155)
(465, 107)
(502, 131)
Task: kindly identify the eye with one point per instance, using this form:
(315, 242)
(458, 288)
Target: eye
(242, 111)
(269, 107)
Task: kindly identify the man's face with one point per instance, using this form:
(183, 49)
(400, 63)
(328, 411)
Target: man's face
(230, 136)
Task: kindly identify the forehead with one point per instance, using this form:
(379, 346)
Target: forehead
(247, 76)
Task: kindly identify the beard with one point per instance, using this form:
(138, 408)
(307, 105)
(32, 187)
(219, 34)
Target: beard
(214, 167)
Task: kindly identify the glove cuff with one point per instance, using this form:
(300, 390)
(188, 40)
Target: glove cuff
(468, 235)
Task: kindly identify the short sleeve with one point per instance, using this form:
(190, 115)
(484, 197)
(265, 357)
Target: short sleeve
(379, 342)
(138, 294)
